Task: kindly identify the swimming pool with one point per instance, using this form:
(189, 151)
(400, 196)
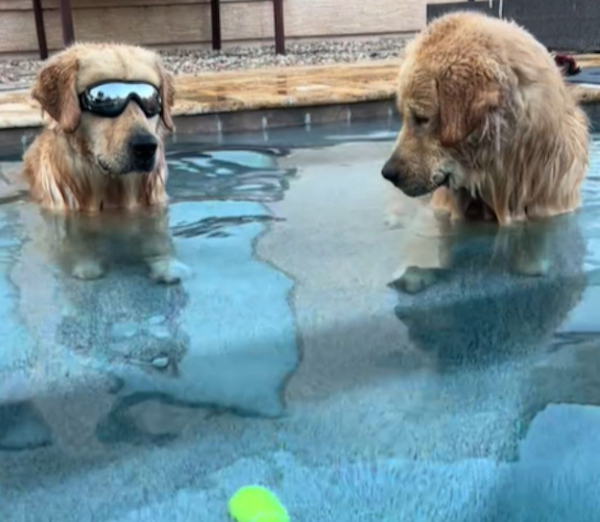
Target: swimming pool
(288, 359)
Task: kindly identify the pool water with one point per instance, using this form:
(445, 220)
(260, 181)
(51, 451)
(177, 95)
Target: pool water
(296, 357)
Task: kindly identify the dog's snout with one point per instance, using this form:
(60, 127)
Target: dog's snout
(390, 171)
(408, 180)
(143, 148)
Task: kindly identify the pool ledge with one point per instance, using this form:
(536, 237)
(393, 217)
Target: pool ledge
(214, 93)
(338, 90)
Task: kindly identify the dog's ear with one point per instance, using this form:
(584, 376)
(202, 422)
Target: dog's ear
(167, 94)
(467, 94)
(56, 91)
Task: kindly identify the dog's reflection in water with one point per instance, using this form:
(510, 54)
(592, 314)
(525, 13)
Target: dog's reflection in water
(437, 246)
(87, 244)
(471, 290)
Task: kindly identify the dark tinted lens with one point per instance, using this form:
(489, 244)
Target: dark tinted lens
(110, 99)
(150, 103)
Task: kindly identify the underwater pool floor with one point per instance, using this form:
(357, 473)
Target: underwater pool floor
(289, 360)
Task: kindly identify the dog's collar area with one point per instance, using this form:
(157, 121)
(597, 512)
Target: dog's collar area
(109, 99)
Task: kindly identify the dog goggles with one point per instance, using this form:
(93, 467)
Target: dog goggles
(110, 99)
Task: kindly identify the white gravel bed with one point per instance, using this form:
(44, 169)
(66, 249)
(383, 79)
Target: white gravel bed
(20, 73)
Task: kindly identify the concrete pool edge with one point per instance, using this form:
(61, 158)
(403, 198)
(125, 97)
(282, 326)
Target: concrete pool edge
(251, 100)
(214, 124)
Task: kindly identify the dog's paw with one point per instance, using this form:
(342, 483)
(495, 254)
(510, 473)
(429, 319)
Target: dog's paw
(532, 267)
(415, 279)
(87, 269)
(168, 271)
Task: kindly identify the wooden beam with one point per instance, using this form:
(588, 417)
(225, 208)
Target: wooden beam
(66, 17)
(40, 30)
(215, 14)
(279, 27)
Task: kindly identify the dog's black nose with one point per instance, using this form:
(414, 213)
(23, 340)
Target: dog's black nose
(143, 147)
(390, 172)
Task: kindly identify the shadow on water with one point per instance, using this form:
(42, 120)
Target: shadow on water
(485, 294)
(22, 427)
(475, 297)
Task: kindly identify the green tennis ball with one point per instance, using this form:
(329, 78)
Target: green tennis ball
(257, 504)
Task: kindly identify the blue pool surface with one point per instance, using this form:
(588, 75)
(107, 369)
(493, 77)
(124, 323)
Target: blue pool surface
(293, 357)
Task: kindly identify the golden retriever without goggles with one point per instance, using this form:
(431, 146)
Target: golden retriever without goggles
(489, 125)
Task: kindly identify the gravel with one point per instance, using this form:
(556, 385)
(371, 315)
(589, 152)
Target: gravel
(20, 73)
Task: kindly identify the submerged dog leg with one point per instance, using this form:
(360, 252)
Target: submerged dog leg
(159, 252)
(530, 250)
(77, 243)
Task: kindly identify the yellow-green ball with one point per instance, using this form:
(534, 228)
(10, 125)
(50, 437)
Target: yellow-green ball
(257, 504)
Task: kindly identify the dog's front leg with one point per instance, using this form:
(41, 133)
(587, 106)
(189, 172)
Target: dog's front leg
(77, 241)
(427, 253)
(530, 250)
(159, 251)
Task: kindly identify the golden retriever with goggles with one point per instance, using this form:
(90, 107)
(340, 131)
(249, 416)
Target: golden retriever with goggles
(108, 108)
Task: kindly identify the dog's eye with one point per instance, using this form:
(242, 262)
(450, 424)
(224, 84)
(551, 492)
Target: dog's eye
(420, 120)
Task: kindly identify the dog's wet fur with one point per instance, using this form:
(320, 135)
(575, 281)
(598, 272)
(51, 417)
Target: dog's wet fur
(84, 163)
(490, 128)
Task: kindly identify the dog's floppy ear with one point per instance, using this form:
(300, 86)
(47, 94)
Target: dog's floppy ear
(56, 91)
(167, 94)
(467, 93)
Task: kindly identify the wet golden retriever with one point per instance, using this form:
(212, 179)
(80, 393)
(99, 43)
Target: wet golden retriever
(101, 158)
(490, 127)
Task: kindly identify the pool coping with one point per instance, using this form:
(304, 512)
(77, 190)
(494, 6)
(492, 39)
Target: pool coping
(212, 93)
(239, 101)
